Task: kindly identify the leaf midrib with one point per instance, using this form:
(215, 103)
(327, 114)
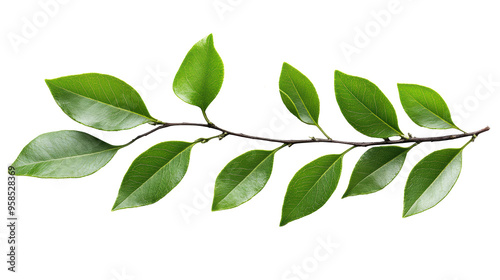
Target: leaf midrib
(253, 170)
(433, 181)
(300, 97)
(143, 183)
(315, 183)
(98, 101)
(382, 166)
(435, 114)
(397, 131)
(71, 157)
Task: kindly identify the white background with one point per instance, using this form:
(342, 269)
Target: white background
(67, 229)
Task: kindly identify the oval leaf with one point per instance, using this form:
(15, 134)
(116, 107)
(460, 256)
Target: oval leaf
(431, 180)
(64, 154)
(425, 107)
(311, 187)
(242, 179)
(376, 168)
(99, 101)
(200, 76)
(299, 95)
(365, 107)
(153, 174)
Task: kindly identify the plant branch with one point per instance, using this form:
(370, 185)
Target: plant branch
(316, 140)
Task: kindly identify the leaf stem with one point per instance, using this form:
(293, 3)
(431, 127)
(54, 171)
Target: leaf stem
(346, 151)
(322, 131)
(460, 129)
(206, 118)
(281, 147)
(412, 146)
(471, 140)
(205, 140)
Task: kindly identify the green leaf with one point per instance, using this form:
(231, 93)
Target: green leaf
(425, 107)
(242, 179)
(64, 154)
(311, 187)
(365, 107)
(299, 95)
(200, 76)
(431, 180)
(99, 101)
(153, 174)
(376, 168)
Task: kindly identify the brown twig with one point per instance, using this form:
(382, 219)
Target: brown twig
(316, 140)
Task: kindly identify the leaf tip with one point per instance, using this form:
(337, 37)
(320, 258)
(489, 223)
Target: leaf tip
(286, 68)
(216, 207)
(285, 219)
(210, 38)
(410, 211)
(339, 73)
(402, 87)
(49, 82)
(116, 206)
(283, 222)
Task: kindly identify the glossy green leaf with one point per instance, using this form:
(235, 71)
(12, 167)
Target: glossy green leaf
(365, 107)
(153, 174)
(299, 95)
(431, 180)
(99, 101)
(64, 154)
(376, 168)
(425, 107)
(311, 187)
(242, 179)
(200, 76)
